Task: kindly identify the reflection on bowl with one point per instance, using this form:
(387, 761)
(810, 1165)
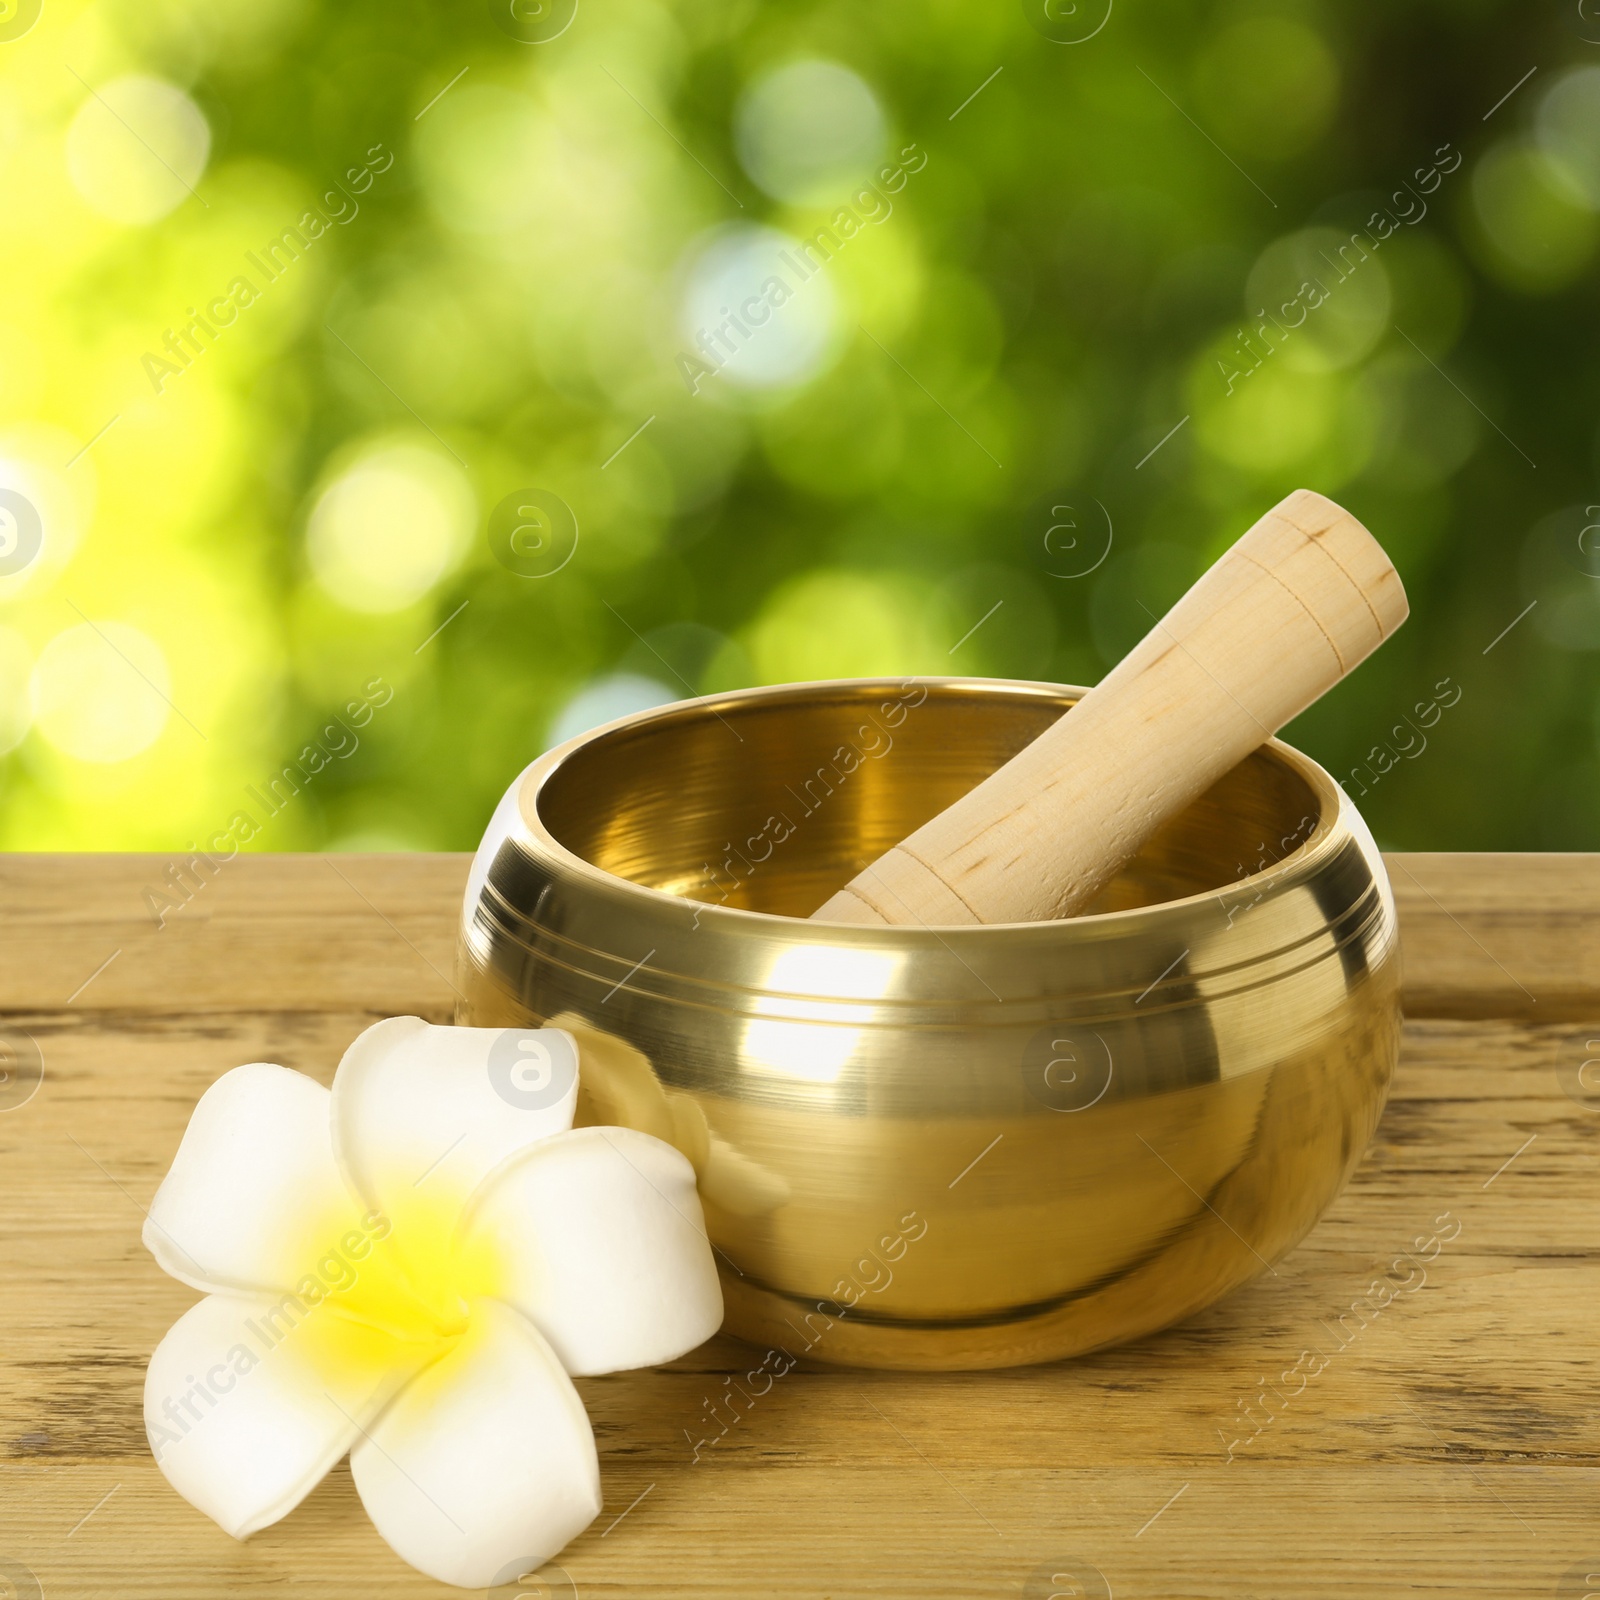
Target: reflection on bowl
(944, 1147)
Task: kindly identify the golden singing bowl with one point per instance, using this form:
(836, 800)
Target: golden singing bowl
(944, 1147)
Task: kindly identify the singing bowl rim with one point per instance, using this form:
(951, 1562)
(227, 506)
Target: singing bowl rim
(1337, 820)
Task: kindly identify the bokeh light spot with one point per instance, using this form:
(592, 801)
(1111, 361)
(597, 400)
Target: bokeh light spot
(1325, 297)
(137, 148)
(1568, 122)
(1268, 85)
(758, 309)
(808, 131)
(390, 527)
(1538, 237)
(840, 624)
(100, 691)
(482, 158)
(1275, 421)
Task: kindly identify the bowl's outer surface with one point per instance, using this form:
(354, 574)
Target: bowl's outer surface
(960, 1147)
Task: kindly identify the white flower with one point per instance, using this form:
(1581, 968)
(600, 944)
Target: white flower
(407, 1269)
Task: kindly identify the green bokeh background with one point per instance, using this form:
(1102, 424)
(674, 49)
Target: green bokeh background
(1062, 283)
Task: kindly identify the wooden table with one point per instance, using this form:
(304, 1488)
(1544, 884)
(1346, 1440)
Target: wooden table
(1452, 1448)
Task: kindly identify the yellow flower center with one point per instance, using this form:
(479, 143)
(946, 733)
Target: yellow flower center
(402, 1271)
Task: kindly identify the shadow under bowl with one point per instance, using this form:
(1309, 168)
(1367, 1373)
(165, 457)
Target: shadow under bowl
(944, 1147)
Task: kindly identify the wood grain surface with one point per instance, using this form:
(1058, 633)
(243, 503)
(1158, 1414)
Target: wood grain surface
(1445, 1444)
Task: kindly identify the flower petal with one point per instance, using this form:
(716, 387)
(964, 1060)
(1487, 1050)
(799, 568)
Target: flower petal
(255, 1162)
(249, 1401)
(597, 1238)
(422, 1113)
(487, 1459)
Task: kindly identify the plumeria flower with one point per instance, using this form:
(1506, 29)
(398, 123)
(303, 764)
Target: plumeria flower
(409, 1268)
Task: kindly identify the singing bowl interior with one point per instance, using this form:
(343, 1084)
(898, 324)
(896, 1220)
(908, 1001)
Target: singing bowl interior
(951, 1147)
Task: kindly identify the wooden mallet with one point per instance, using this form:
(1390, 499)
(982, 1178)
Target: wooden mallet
(1300, 600)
